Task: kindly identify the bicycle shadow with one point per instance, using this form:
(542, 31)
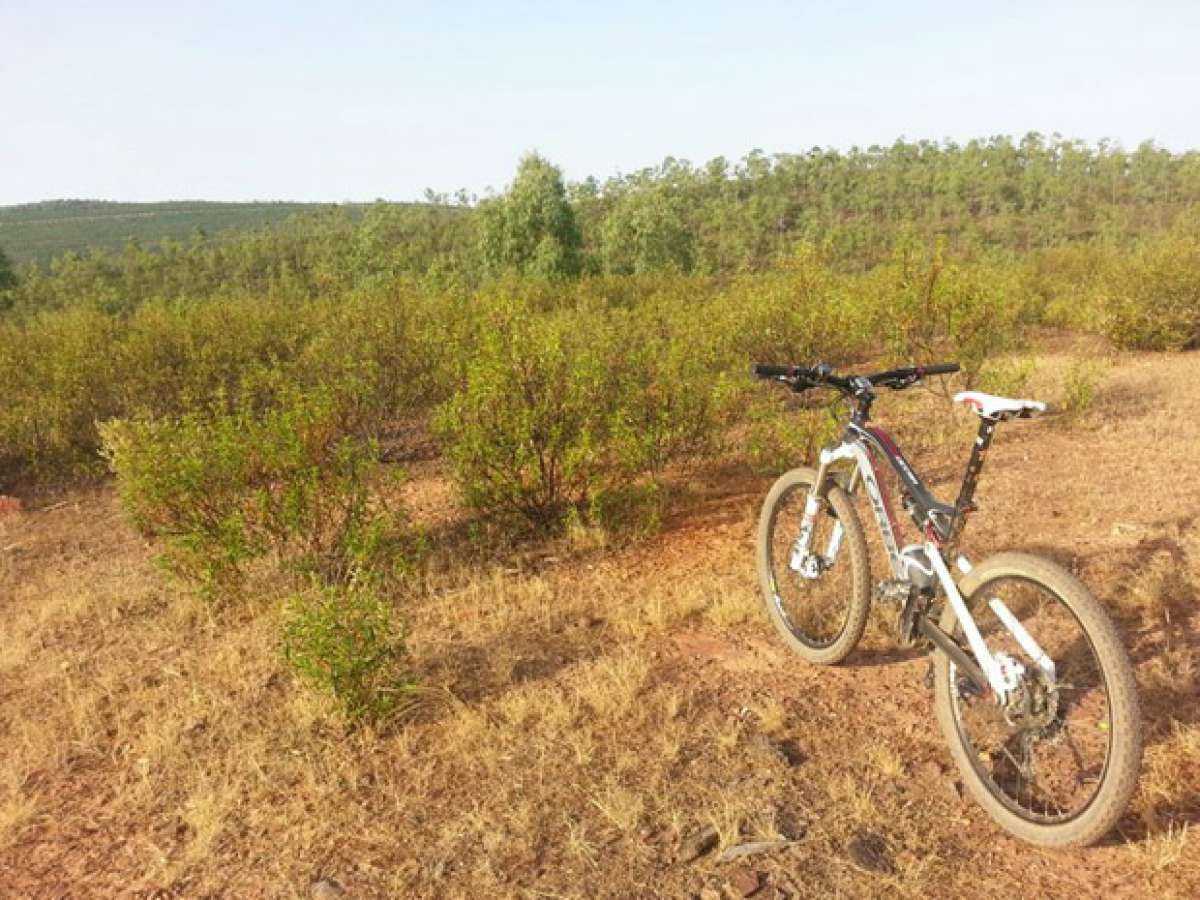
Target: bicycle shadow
(883, 656)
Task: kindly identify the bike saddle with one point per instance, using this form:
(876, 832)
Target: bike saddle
(989, 406)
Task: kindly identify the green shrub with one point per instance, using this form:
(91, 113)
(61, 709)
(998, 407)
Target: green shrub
(1154, 296)
(1083, 378)
(222, 488)
(802, 314)
(1007, 376)
(559, 407)
(59, 373)
(181, 355)
(526, 432)
(932, 311)
(343, 639)
(1065, 285)
(778, 436)
(389, 353)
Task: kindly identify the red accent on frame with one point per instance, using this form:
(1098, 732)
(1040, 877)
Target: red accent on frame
(933, 536)
(885, 439)
(883, 494)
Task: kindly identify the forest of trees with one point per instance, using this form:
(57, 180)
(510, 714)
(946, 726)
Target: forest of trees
(38, 232)
(991, 233)
(719, 218)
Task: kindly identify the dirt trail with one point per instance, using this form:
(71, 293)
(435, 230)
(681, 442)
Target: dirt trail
(607, 708)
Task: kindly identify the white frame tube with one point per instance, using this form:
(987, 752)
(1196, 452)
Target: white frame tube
(975, 640)
(1024, 638)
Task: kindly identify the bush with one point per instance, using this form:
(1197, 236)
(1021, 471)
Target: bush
(1008, 376)
(526, 433)
(388, 352)
(778, 436)
(802, 314)
(180, 356)
(559, 408)
(59, 372)
(1066, 284)
(343, 639)
(223, 488)
(1082, 379)
(1154, 297)
(933, 312)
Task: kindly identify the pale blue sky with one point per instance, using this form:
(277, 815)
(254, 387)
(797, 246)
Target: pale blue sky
(336, 101)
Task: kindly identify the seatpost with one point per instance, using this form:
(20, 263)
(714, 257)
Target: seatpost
(966, 494)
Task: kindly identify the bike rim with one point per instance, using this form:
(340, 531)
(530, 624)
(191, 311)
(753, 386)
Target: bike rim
(815, 611)
(1046, 761)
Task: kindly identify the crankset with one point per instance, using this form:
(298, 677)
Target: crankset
(913, 602)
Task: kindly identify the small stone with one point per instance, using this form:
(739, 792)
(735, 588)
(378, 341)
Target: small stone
(326, 889)
(750, 849)
(743, 883)
(709, 894)
(790, 822)
(698, 844)
(870, 853)
(791, 752)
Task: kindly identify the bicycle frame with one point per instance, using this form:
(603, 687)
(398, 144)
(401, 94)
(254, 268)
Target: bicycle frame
(856, 448)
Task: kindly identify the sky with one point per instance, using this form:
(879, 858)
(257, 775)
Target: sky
(360, 100)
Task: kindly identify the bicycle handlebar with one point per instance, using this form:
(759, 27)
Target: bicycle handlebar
(912, 373)
(801, 378)
(766, 370)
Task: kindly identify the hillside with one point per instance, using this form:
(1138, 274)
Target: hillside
(589, 708)
(416, 551)
(37, 232)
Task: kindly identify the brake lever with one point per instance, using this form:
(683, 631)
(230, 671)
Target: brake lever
(905, 383)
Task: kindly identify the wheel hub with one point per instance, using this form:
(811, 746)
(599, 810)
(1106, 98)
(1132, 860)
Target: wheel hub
(1033, 705)
(807, 565)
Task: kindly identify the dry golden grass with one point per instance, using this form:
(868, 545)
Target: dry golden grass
(585, 715)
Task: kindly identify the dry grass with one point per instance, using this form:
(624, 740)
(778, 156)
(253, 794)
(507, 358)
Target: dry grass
(583, 715)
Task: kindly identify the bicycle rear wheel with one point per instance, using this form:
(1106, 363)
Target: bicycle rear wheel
(1058, 763)
(820, 614)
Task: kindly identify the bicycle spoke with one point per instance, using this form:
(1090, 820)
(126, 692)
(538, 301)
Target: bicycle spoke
(1043, 769)
(813, 600)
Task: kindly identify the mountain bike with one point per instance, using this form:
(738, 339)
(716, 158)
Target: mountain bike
(1033, 689)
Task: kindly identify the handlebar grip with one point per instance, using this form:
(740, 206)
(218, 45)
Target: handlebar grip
(766, 370)
(939, 369)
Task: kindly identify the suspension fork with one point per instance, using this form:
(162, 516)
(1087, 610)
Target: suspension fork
(835, 538)
(812, 507)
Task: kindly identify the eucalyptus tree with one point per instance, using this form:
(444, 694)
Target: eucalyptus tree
(531, 228)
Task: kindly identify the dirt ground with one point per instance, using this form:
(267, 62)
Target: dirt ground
(598, 721)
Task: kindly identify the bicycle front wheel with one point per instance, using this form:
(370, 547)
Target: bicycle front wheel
(1057, 764)
(819, 604)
